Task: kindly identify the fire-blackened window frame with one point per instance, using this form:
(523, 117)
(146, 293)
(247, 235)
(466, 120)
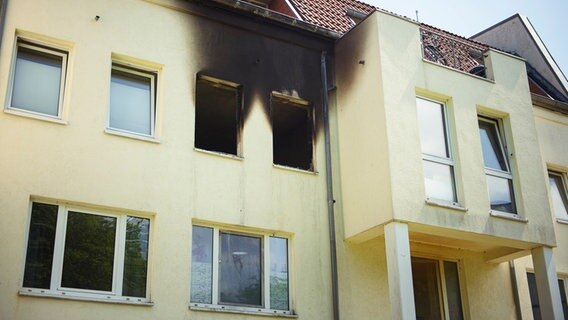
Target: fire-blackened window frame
(202, 130)
(277, 101)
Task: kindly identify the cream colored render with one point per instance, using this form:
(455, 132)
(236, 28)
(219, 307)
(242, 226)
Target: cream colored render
(552, 129)
(166, 179)
(380, 72)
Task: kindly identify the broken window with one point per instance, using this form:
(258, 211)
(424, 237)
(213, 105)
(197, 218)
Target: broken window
(218, 107)
(292, 131)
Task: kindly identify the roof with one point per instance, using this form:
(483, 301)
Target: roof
(331, 14)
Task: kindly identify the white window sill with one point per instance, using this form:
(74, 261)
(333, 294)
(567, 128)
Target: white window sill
(279, 166)
(36, 116)
(562, 220)
(131, 135)
(219, 154)
(445, 204)
(508, 216)
(241, 310)
(84, 297)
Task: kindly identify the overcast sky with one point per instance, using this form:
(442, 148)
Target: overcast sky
(467, 17)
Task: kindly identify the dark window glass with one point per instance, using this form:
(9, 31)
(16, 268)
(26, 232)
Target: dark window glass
(563, 297)
(201, 264)
(453, 290)
(426, 289)
(217, 117)
(292, 134)
(240, 270)
(534, 296)
(88, 260)
(136, 257)
(41, 240)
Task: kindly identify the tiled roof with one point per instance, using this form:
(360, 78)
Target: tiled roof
(330, 14)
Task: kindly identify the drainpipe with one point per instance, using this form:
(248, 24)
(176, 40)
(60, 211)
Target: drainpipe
(515, 286)
(3, 9)
(330, 200)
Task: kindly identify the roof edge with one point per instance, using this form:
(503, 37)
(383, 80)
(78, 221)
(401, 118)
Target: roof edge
(547, 103)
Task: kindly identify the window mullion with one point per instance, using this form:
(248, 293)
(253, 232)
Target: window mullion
(119, 251)
(59, 248)
(216, 261)
(266, 270)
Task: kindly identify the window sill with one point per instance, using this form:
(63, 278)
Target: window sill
(35, 116)
(81, 297)
(241, 310)
(219, 154)
(562, 220)
(279, 166)
(508, 216)
(445, 204)
(131, 136)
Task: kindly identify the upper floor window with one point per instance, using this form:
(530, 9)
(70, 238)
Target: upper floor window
(437, 157)
(497, 169)
(292, 132)
(132, 100)
(218, 106)
(240, 271)
(38, 79)
(558, 194)
(74, 252)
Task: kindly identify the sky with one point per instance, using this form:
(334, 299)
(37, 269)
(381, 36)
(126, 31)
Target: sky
(468, 17)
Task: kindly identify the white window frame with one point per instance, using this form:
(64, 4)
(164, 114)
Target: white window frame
(563, 192)
(442, 283)
(56, 289)
(498, 123)
(141, 72)
(215, 304)
(22, 42)
(449, 161)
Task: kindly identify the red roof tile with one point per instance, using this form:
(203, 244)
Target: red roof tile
(330, 14)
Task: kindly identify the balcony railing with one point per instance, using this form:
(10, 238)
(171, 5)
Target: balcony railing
(453, 51)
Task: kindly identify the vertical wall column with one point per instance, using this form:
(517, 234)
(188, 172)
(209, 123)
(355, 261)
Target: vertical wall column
(547, 284)
(399, 271)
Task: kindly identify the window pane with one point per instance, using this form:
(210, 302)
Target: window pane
(41, 239)
(240, 270)
(130, 103)
(453, 290)
(563, 298)
(136, 257)
(37, 82)
(216, 117)
(88, 260)
(558, 195)
(492, 148)
(278, 273)
(439, 181)
(426, 289)
(501, 194)
(433, 136)
(534, 296)
(291, 135)
(201, 264)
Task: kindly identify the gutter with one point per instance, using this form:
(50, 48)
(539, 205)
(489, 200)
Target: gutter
(515, 286)
(330, 200)
(278, 17)
(547, 103)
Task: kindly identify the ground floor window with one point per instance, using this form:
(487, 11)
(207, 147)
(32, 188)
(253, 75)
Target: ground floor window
(437, 292)
(239, 270)
(79, 252)
(534, 296)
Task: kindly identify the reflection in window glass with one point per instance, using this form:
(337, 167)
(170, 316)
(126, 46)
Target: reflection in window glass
(88, 260)
(439, 181)
(432, 128)
(278, 273)
(426, 289)
(501, 194)
(136, 257)
(41, 241)
(131, 102)
(492, 149)
(453, 290)
(201, 264)
(240, 270)
(558, 195)
(37, 81)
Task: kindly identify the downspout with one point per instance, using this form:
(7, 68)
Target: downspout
(3, 9)
(515, 286)
(330, 200)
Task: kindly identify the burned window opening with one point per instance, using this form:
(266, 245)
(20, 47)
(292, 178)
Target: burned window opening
(292, 132)
(218, 106)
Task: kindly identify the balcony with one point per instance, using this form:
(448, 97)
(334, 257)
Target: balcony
(453, 51)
